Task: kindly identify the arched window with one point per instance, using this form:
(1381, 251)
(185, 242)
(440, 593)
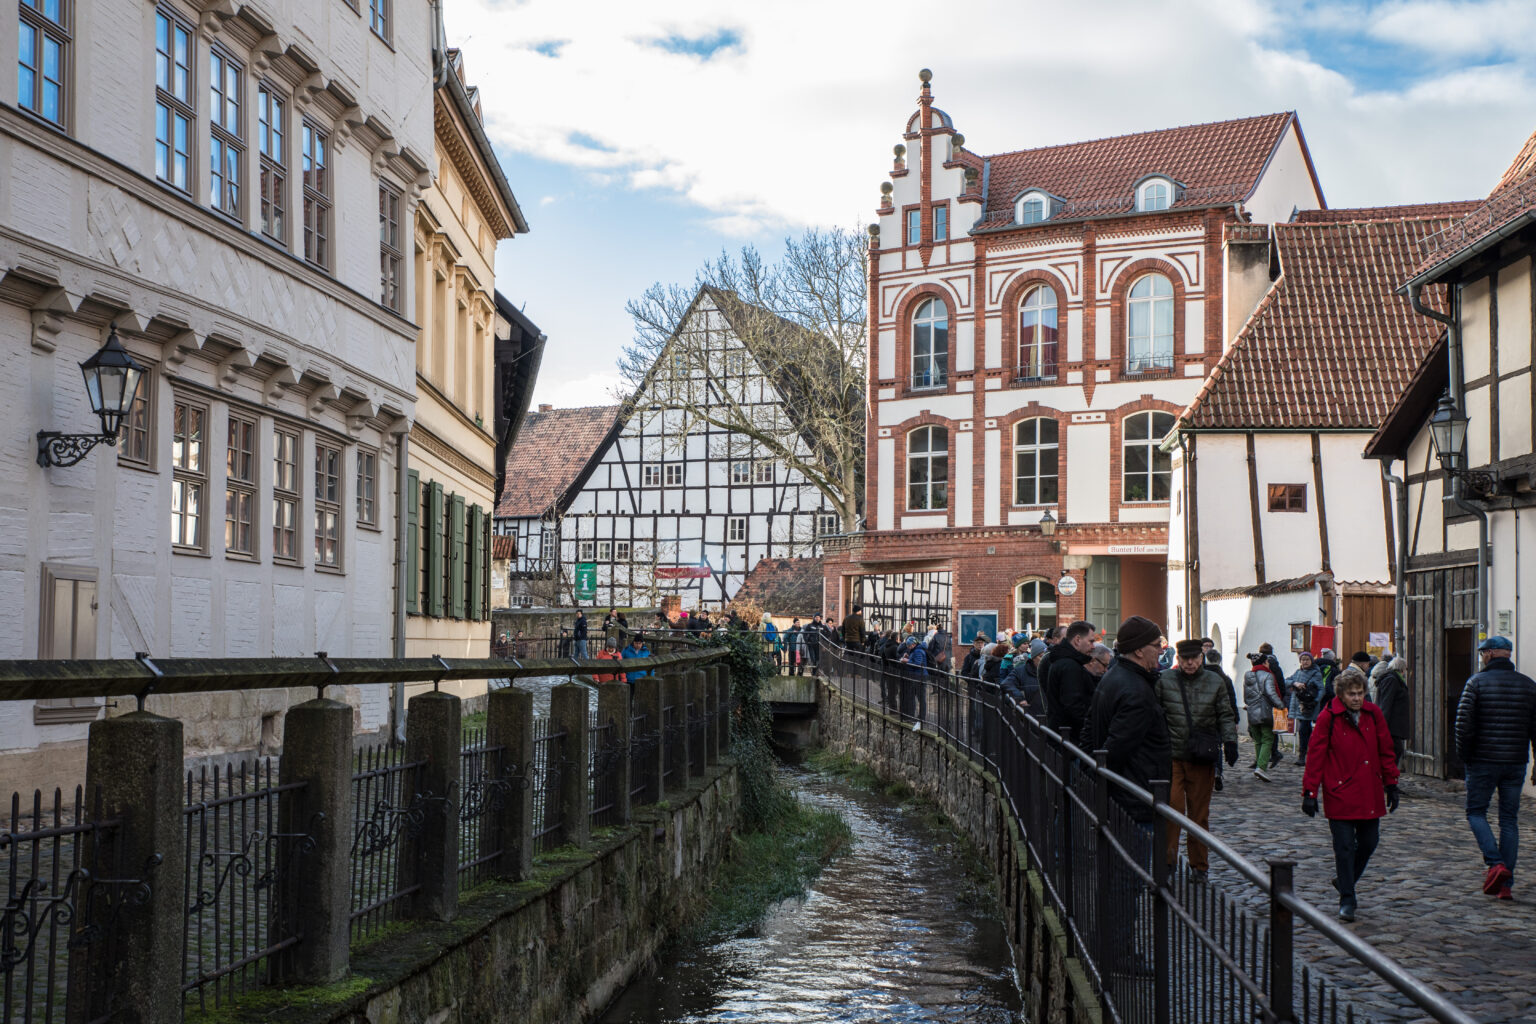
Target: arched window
(1155, 194)
(1149, 325)
(927, 469)
(930, 345)
(1034, 461)
(1035, 605)
(1145, 468)
(1037, 334)
(1032, 209)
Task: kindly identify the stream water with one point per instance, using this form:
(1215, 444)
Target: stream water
(891, 931)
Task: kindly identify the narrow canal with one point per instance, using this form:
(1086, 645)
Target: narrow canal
(891, 931)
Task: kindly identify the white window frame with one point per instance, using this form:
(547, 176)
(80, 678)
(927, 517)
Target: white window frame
(330, 499)
(285, 494)
(763, 471)
(932, 459)
(1033, 208)
(650, 474)
(621, 550)
(1154, 194)
(1037, 605)
(315, 151)
(189, 477)
(931, 316)
(941, 223)
(1149, 351)
(736, 529)
(605, 551)
(672, 474)
(367, 487)
(828, 523)
(586, 551)
(272, 144)
(1037, 302)
(914, 227)
(1038, 449)
(1154, 452)
(741, 471)
(391, 252)
(242, 480)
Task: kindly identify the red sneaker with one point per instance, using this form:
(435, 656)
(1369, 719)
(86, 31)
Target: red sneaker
(1504, 893)
(1497, 878)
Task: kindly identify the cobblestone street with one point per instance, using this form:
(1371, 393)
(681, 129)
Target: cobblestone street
(1420, 900)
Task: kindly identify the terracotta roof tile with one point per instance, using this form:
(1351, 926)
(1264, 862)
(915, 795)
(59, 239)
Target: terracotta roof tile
(1332, 344)
(1513, 198)
(1214, 163)
(503, 547)
(784, 586)
(1413, 210)
(552, 448)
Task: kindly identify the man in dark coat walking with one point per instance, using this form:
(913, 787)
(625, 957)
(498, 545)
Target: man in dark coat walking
(1495, 728)
(579, 634)
(853, 628)
(1069, 687)
(1125, 717)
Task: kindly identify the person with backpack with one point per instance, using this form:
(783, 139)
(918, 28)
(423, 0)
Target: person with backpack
(1305, 685)
(1328, 665)
(1351, 765)
(772, 642)
(1202, 728)
(914, 656)
(938, 647)
(1260, 698)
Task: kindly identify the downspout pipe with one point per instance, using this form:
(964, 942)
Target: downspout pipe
(397, 699)
(439, 46)
(1400, 597)
(1457, 388)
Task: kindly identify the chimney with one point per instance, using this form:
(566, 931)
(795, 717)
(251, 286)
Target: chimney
(546, 407)
(1246, 254)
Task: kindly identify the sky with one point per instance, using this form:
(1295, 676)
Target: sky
(643, 137)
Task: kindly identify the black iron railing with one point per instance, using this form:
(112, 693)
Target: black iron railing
(486, 783)
(387, 811)
(549, 768)
(604, 753)
(1159, 945)
(643, 738)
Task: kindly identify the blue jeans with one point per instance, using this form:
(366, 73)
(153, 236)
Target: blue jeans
(581, 648)
(1482, 779)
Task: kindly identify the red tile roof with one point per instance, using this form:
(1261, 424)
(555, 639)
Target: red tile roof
(784, 586)
(552, 448)
(1214, 163)
(1404, 212)
(503, 548)
(1332, 344)
(1512, 199)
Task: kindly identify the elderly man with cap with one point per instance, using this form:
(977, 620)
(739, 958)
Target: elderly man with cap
(1125, 717)
(1201, 727)
(1495, 728)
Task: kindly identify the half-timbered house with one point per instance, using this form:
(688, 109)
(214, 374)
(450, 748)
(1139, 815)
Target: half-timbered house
(1037, 321)
(1278, 525)
(1467, 504)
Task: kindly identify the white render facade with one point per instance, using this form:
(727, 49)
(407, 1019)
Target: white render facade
(673, 508)
(159, 184)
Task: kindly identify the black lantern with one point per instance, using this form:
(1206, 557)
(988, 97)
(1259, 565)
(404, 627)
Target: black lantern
(1448, 432)
(112, 379)
(1047, 524)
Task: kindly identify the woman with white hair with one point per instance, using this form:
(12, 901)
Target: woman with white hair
(1391, 693)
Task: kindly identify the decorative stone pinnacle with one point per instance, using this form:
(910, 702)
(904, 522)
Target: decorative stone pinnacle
(925, 76)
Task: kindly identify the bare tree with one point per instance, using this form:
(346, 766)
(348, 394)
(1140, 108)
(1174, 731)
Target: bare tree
(802, 322)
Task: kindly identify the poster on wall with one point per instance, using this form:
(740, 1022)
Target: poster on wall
(974, 622)
(1376, 644)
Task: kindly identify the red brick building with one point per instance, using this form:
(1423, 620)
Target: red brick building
(1030, 306)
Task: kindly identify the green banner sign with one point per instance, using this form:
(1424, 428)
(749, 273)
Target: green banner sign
(586, 581)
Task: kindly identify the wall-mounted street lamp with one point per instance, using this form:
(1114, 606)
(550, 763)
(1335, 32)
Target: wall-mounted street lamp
(1448, 433)
(1048, 524)
(112, 379)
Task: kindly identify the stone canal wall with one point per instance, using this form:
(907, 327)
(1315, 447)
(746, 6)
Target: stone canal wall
(556, 948)
(1056, 990)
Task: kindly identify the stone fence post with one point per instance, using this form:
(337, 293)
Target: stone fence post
(136, 761)
(698, 681)
(648, 701)
(509, 725)
(317, 896)
(613, 706)
(568, 714)
(434, 734)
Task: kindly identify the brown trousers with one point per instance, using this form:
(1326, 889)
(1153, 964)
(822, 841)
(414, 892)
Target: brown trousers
(1190, 795)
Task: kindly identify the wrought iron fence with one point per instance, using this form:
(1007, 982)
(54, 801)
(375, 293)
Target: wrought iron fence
(387, 810)
(1158, 943)
(604, 753)
(697, 722)
(672, 728)
(237, 858)
(549, 767)
(61, 901)
(487, 781)
(642, 760)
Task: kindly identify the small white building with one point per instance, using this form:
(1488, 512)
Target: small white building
(210, 181)
(1278, 525)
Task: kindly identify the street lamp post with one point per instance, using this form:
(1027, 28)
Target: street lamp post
(112, 379)
(1047, 524)
(1448, 433)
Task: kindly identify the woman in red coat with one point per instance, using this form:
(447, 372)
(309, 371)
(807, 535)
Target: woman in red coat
(1350, 761)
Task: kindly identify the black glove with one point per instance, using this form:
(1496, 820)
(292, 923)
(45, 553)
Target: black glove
(1230, 750)
(1309, 806)
(1392, 798)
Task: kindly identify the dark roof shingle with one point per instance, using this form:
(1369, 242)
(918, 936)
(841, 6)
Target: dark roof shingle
(1332, 344)
(1214, 163)
(784, 586)
(551, 450)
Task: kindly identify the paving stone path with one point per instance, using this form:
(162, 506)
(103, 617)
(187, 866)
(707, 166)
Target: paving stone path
(1421, 900)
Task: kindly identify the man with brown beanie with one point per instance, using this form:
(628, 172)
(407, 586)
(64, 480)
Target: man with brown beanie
(1202, 726)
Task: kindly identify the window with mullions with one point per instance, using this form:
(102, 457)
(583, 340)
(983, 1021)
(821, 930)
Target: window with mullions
(226, 147)
(928, 469)
(586, 551)
(271, 131)
(240, 488)
(42, 54)
(828, 523)
(1035, 451)
(1287, 497)
(315, 162)
(1035, 605)
(327, 506)
(605, 551)
(914, 227)
(940, 223)
(285, 495)
(762, 471)
(1149, 325)
(736, 529)
(650, 474)
(621, 550)
(189, 474)
(1146, 468)
(379, 19)
(367, 487)
(175, 112)
(136, 437)
(391, 257)
(741, 472)
(930, 345)
(1037, 334)
(674, 474)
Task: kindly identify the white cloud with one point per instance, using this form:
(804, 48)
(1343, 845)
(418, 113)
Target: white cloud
(572, 392)
(1446, 28)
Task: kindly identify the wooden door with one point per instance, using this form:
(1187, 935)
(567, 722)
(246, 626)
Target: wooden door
(1457, 669)
(1364, 614)
(1103, 600)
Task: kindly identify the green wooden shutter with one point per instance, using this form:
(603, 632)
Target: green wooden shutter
(485, 574)
(456, 563)
(435, 553)
(413, 542)
(476, 568)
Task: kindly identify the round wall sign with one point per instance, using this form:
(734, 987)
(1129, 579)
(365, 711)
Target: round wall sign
(1066, 586)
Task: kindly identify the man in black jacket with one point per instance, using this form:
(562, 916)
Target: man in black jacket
(1068, 689)
(1125, 717)
(1495, 728)
(579, 634)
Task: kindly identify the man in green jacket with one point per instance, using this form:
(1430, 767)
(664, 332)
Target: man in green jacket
(1199, 714)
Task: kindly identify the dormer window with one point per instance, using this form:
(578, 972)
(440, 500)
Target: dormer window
(1034, 207)
(1154, 194)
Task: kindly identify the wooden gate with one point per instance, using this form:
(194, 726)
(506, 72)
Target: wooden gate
(1441, 616)
(1363, 614)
